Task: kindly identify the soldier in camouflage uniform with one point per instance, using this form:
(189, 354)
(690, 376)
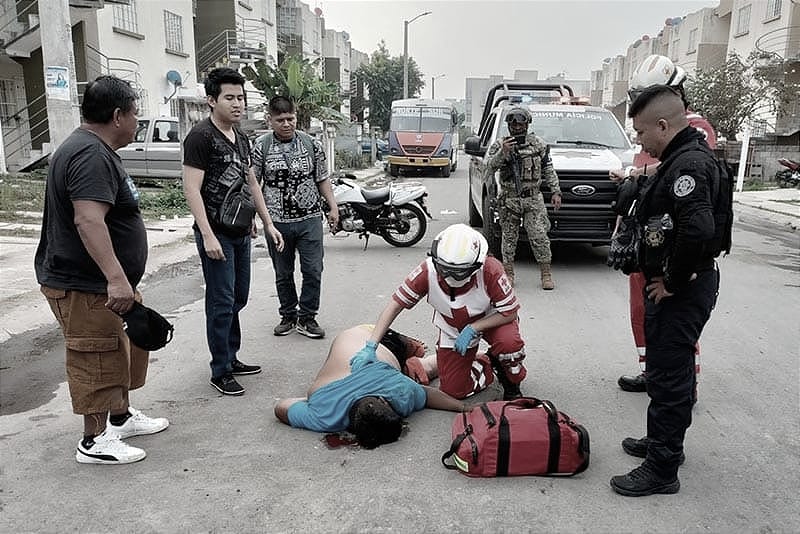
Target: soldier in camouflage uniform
(522, 168)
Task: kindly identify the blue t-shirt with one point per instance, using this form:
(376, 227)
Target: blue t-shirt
(328, 408)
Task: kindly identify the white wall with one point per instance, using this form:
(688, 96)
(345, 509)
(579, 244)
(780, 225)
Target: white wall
(149, 53)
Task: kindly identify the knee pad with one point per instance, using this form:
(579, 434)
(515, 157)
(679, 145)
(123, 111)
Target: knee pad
(511, 363)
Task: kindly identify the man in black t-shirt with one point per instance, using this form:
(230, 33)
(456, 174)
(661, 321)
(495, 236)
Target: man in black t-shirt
(216, 155)
(90, 258)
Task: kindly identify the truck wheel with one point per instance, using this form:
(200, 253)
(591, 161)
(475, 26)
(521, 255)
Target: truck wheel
(491, 231)
(445, 171)
(393, 170)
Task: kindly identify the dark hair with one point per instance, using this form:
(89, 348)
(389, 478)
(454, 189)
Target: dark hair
(219, 76)
(374, 422)
(280, 104)
(654, 92)
(104, 95)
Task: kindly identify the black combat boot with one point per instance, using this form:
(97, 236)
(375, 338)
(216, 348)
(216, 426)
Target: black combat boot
(638, 448)
(636, 383)
(644, 480)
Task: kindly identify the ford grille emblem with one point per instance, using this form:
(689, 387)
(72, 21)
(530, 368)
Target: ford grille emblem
(583, 190)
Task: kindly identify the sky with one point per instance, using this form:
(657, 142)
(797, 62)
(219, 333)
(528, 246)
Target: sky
(480, 38)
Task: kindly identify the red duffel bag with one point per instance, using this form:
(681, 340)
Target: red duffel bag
(526, 436)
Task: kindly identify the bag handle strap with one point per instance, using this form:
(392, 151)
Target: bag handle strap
(533, 402)
(457, 443)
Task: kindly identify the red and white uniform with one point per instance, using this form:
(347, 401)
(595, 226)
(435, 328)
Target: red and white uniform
(636, 281)
(488, 292)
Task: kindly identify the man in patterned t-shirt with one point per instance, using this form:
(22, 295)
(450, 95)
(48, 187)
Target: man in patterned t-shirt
(292, 169)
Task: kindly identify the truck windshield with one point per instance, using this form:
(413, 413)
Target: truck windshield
(584, 127)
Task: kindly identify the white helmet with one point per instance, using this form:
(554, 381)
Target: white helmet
(655, 70)
(457, 252)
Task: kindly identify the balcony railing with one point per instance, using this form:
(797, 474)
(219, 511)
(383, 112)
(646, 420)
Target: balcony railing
(782, 44)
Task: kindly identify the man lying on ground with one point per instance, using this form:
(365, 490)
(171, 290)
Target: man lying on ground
(365, 392)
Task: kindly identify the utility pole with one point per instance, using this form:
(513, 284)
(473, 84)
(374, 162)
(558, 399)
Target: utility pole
(58, 63)
(405, 51)
(433, 85)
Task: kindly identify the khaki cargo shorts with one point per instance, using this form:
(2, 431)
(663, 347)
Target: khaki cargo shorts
(102, 364)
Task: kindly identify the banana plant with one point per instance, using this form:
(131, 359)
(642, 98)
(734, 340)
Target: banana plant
(297, 80)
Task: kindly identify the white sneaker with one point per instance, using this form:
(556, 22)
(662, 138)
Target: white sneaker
(138, 424)
(108, 449)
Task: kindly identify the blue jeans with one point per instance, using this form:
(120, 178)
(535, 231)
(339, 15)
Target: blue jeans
(227, 288)
(304, 239)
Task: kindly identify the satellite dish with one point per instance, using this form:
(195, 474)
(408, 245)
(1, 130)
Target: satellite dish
(173, 76)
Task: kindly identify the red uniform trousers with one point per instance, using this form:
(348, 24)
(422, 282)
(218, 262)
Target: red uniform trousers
(461, 376)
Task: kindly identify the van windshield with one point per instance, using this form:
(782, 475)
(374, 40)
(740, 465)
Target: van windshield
(584, 127)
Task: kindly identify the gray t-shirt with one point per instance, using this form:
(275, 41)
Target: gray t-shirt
(85, 168)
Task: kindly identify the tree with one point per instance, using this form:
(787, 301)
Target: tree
(738, 92)
(297, 80)
(383, 75)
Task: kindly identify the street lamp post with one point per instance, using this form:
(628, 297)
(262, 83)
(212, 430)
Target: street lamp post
(405, 51)
(433, 85)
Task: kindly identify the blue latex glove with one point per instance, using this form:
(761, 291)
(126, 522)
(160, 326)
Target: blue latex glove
(364, 356)
(464, 338)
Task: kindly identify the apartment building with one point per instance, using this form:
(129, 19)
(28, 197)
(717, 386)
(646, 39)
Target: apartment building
(703, 40)
(337, 52)
(771, 30)
(150, 45)
(300, 31)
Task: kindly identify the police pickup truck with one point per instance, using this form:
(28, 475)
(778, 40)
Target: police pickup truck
(155, 151)
(585, 143)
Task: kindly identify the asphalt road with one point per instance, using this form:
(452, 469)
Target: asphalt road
(226, 464)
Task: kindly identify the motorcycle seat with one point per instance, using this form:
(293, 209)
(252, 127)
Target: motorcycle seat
(376, 196)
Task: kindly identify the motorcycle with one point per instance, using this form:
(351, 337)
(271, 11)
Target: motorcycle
(790, 176)
(396, 212)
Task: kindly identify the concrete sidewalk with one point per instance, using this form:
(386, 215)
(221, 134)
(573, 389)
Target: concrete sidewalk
(779, 205)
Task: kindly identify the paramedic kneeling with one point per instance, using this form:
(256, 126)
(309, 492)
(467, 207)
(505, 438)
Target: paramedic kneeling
(361, 389)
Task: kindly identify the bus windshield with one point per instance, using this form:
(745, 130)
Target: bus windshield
(421, 119)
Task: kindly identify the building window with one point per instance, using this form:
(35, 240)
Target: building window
(773, 10)
(125, 17)
(675, 44)
(743, 21)
(8, 104)
(692, 47)
(173, 27)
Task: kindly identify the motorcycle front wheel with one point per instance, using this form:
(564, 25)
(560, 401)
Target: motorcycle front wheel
(409, 227)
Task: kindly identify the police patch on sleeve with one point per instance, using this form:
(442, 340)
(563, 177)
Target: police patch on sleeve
(683, 186)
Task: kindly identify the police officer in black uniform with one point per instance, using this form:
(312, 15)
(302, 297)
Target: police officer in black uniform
(684, 211)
